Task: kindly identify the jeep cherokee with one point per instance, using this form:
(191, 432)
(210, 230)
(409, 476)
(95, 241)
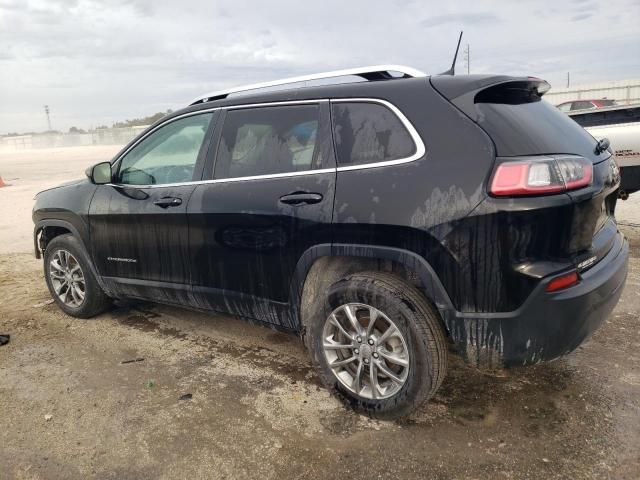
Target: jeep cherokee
(383, 220)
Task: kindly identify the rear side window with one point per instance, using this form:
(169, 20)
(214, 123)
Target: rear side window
(369, 133)
(268, 140)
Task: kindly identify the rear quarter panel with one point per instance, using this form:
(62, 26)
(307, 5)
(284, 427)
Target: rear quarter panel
(417, 205)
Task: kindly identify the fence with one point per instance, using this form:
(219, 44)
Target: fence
(103, 136)
(625, 92)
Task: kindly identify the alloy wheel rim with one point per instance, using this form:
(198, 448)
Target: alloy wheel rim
(67, 278)
(366, 351)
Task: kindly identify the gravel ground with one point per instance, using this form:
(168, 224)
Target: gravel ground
(70, 408)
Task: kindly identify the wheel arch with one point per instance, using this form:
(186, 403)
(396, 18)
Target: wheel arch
(62, 227)
(56, 227)
(322, 265)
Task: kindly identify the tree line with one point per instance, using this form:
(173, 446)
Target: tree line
(134, 122)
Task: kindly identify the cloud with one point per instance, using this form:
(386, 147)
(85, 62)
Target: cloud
(581, 16)
(461, 19)
(98, 61)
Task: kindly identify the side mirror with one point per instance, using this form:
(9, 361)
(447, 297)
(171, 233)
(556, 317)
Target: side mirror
(100, 173)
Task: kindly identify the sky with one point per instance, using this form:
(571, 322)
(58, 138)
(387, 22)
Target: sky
(97, 62)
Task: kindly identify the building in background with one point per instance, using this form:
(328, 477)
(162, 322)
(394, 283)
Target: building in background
(99, 136)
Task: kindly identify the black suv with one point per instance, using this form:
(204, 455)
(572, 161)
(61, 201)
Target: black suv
(383, 221)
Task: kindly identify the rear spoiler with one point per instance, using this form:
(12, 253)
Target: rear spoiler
(454, 87)
(465, 91)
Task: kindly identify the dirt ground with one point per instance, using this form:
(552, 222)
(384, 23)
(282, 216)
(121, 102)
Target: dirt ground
(70, 408)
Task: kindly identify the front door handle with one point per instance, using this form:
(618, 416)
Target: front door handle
(301, 198)
(167, 202)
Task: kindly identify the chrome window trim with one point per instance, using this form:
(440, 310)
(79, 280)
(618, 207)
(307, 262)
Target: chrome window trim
(358, 71)
(228, 180)
(413, 133)
(419, 144)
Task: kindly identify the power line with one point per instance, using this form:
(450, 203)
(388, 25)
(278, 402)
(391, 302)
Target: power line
(467, 58)
(46, 110)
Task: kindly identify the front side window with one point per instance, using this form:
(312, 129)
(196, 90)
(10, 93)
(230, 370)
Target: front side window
(268, 140)
(368, 133)
(168, 155)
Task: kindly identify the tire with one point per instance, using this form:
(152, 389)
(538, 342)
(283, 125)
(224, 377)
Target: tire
(76, 301)
(422, 346)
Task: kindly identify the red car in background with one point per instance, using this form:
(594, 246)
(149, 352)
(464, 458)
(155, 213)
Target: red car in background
(586, 104)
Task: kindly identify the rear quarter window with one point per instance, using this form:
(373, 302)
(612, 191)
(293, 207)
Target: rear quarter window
(369, 133)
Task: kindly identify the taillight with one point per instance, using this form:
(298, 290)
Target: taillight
(562, 282)
(540, 175)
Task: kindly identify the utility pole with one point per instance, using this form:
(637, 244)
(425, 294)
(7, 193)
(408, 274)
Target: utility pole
(46, 110)
(567, 79)
(467, 58)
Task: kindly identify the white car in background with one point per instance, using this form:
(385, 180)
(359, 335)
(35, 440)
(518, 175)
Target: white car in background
(621, 125)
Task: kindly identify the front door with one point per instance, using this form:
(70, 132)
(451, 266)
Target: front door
(269, 200)
(138, 224)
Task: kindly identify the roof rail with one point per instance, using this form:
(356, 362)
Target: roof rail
(374, 72)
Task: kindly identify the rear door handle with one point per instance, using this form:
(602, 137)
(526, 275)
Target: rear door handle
(301, 198)
(167, 202)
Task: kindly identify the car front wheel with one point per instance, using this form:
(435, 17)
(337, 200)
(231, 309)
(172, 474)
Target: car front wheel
(70, 278)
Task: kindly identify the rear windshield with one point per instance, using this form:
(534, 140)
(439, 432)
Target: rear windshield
(521, 123)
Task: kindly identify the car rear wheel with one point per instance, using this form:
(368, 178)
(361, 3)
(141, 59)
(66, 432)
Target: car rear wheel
(70, 279)
(378, 344)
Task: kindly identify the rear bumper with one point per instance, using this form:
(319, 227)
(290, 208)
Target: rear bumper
(547, 325)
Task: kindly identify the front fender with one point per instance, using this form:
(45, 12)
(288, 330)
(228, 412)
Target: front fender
(65, 206)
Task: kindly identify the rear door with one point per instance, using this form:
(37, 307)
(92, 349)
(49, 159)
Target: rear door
(269, 198)
(139, 230)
